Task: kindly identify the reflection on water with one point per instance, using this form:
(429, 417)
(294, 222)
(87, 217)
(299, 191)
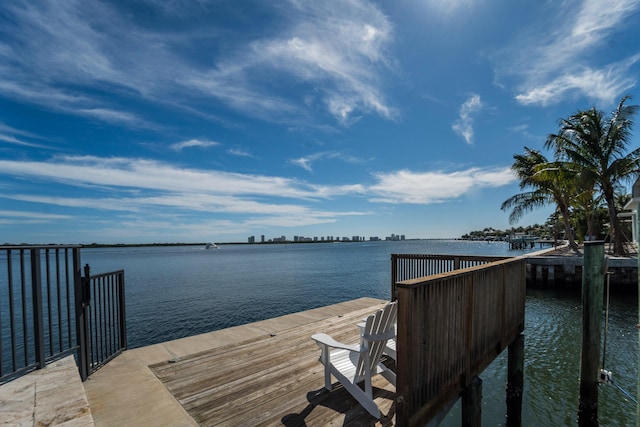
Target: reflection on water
(553, 334)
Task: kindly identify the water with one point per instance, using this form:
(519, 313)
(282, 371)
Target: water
(173, 292)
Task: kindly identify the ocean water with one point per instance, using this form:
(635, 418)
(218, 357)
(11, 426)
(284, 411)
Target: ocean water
(178, 291)
(174, 292)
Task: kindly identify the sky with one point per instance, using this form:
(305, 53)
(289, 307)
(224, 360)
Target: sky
(142, 121)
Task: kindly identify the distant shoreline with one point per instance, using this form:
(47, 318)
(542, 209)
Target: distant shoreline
(288, 242)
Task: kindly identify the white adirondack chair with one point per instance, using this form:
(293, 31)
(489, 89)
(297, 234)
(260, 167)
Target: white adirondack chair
(390, 349)
(354, 364)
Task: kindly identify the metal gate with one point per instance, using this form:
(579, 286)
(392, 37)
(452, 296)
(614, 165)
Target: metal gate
(104, 314)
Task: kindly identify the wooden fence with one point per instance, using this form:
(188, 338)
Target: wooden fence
(451, 326)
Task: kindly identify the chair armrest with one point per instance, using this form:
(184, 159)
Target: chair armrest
(324, 339)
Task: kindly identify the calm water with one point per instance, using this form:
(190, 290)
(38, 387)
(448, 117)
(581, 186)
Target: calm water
(173, 292)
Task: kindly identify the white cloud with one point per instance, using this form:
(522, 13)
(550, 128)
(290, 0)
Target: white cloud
(464, 125)
(13, 140)
(32, 215)
(8, 135)
(165, 194)
(449, 7)
(239, 152)
(548, 66)
(603, 85)
(307, 161)
(303, 162)
(434, 187)
(54, 51)
(202, 143)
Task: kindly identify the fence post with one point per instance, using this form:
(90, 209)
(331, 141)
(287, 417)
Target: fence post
(81, 316)
(592, 295)
(394, 278)
(38, 324)
(123, 316)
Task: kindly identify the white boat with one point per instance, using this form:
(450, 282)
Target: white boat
(212, 246)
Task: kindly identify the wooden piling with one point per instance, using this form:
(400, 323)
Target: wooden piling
(472, 403)
(515, 382)
(592, 295)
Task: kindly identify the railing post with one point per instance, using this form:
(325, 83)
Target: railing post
(81, 317)
(394, 279)
(592, 295)
(38, 324)
(122, 313)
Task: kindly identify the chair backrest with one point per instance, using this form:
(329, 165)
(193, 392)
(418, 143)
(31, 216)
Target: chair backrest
(379, 328)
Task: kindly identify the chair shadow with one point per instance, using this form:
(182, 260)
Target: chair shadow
(340, 401)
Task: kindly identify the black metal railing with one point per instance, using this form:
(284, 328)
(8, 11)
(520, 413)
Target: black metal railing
(46, 311)
(413, 266)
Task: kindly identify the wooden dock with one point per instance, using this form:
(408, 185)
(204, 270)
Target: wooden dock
(265, 373)
(270, 380)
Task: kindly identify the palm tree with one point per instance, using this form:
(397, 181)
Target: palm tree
(598, 147)
(549, 182)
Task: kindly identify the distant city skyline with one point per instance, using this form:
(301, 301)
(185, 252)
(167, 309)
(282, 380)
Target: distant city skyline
(327, 238)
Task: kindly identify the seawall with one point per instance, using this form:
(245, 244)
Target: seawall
(562, 269)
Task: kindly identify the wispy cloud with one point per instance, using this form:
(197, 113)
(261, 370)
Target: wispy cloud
(464, 125)
(32, 215)
(202, 143)
(160, 192)
(604, 84)
(165, 194)
(435, 186)
(118, 172)
(15, 136)
(569, 61)
(13, 140)
(447, 8)
(52, 52)
(239, 152)
(306, 162)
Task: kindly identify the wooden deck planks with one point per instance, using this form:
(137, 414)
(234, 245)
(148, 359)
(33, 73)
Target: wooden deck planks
(272, 380)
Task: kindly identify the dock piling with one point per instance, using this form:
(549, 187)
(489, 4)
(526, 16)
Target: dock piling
(592, 295)
(515, 382)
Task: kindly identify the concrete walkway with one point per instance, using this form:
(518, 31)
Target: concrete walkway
(46, 397)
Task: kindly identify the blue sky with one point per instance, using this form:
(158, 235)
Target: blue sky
(189, 121)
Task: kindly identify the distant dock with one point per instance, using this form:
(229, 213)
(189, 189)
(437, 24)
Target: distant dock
(522, 242)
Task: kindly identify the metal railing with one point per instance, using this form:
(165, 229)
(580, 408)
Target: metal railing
(37, 306)
(412, 266)
(46, 313)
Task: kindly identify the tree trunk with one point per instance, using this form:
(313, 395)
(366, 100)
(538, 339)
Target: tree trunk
(568, 232)
(615, 229)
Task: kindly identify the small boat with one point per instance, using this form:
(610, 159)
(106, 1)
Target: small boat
(212, 246)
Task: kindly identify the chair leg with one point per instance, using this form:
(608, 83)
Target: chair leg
(327, 378)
